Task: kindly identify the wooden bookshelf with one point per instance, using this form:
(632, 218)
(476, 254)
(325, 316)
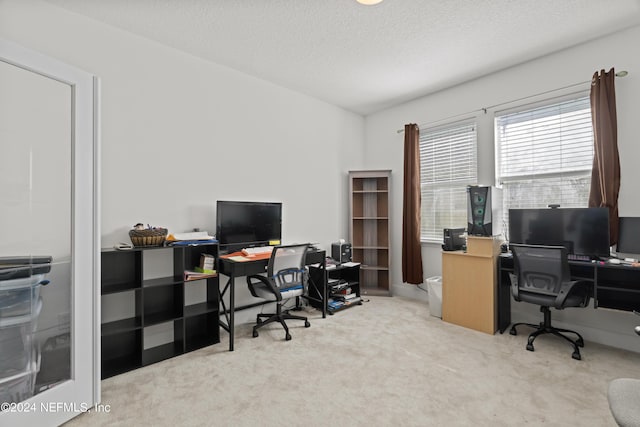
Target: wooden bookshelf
(370, 228)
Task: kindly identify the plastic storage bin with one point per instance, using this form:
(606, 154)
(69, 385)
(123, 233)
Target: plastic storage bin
(16, 350)
(18, 297)
(434, 288)
(17, 342)
(20, 306)
(21, 386)
(24, 266)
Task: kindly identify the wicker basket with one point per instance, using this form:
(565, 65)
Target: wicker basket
(148, 237)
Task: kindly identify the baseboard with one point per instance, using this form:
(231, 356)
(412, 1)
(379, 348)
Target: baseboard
(623, 338)
(418, 292)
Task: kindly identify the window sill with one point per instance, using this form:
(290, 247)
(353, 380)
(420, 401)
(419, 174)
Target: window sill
(430, 242)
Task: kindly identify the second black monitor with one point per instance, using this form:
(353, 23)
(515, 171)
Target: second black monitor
(583, 231)
(629, 235)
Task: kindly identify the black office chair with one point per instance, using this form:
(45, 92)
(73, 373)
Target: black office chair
(285, 280)
(542, 277)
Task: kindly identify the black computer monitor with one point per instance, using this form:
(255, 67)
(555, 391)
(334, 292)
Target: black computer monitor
(628, 235)
(246, 224)
(583, 231)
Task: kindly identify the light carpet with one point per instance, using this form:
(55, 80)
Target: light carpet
(387, 362)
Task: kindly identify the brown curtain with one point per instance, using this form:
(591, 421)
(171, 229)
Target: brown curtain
(605, 176)
(411, 249)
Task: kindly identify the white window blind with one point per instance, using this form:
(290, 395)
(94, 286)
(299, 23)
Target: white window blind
(545, 155)
(448, 163)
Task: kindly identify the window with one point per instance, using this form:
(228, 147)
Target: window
(448, 163)
(545, 156)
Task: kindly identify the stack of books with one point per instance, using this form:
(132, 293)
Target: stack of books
(346, 298)
(207, 264)
(205, 269)
(342, 295)
(334, 305)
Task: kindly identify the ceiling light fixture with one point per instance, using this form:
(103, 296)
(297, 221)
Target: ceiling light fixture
(369, 2)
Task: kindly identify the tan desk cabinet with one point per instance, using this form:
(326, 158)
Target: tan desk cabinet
(469, 285)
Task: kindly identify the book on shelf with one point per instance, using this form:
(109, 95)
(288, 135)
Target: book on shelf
(207, 261)
(335, 287)
(197, 275)
(350, 264)
(352, 301)
(343, 297)
(341, 291)
(333, 304)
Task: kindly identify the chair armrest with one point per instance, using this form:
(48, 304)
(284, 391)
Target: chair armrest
(264, 280)
(514, 286)
(565, 290)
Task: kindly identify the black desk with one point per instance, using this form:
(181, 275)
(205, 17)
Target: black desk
(234, 269)
(615, 286)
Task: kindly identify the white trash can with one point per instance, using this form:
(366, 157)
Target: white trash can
(434, 288)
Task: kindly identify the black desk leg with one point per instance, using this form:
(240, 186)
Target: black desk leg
(325, 293)
(504, 300)
(232, 309)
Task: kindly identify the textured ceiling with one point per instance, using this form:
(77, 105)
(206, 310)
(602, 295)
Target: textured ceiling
(365, 58)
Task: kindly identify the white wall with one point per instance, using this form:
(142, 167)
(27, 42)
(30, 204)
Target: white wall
(569, 67)
(179, 133)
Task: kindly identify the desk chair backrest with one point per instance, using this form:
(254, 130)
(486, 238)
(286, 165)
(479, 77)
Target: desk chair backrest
(287, 265)
(539, 269)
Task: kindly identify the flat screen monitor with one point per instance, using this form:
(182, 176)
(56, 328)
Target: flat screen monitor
(583, 231)
(628, 235)
(248, 223)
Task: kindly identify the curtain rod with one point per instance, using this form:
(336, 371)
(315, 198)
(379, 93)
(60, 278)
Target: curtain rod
(484, 109)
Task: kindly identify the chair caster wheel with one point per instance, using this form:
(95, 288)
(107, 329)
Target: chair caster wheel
(255, 333)
(307, 324)
(530, 347)
(580, 342)
(288, 337)
(513, 331)
(576, 355)
(258, 321)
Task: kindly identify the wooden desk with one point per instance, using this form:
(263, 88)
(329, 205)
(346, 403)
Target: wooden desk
(469, 288)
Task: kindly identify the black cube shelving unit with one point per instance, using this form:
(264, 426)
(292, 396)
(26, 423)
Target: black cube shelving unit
(155, 302)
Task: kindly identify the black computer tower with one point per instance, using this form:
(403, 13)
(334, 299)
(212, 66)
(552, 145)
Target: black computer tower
(484, 210)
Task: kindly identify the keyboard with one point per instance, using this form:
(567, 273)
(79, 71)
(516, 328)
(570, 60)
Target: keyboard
(257, 250)
(583, 258)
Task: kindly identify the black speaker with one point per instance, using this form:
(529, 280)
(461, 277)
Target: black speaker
(484, 205)
(341, 252)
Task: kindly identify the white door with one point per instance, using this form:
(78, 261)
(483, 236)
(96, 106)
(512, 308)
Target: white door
(49, 345)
